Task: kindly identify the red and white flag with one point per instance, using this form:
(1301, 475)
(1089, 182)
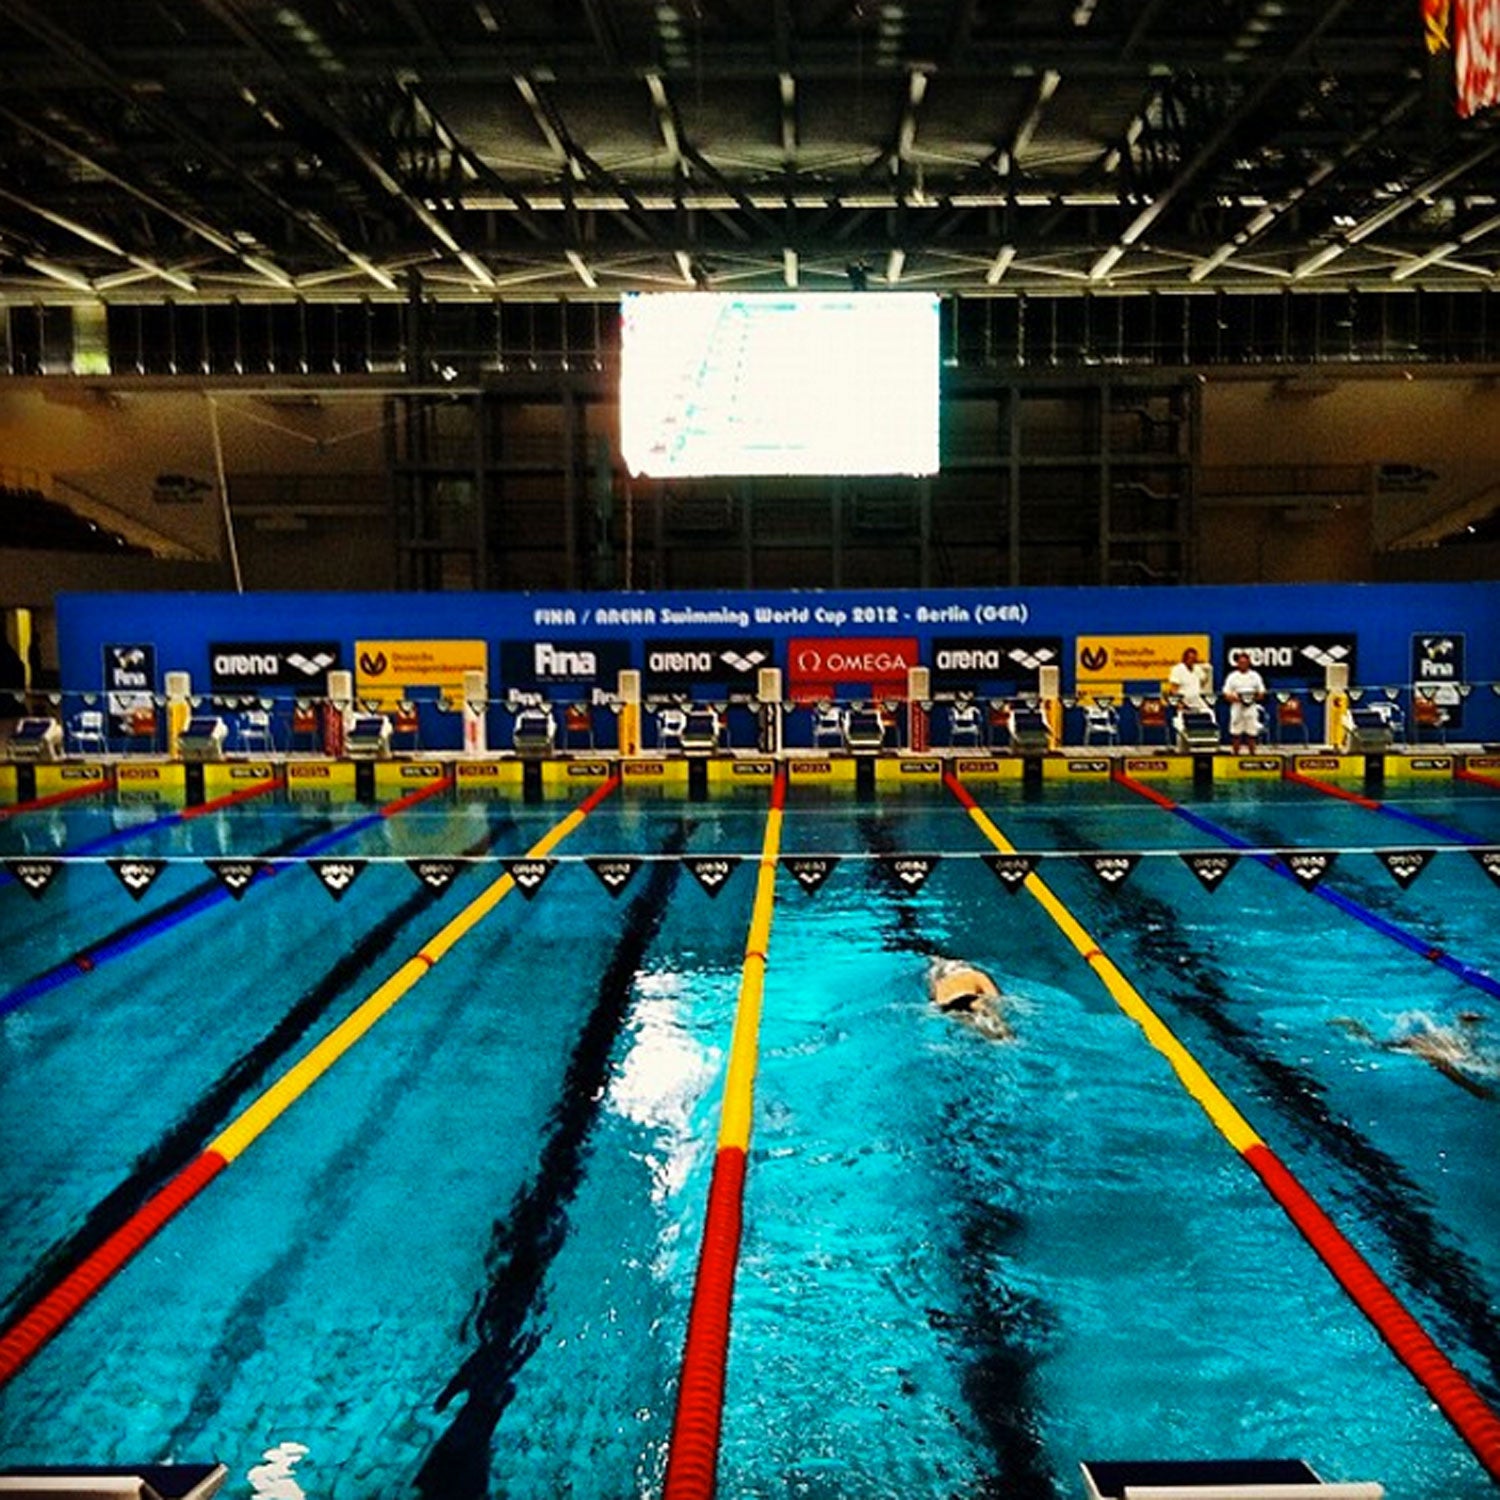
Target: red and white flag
(1476, 54)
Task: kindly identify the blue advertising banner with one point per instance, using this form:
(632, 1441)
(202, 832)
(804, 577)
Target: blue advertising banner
(560, 643)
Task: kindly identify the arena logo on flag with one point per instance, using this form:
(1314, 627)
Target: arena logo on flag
(614, 873)
(910, 871)
(810, 870)
(34, 875)
(712, 870)
(1011, 870)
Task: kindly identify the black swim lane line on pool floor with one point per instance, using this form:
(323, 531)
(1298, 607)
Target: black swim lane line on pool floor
(1431, 1268)
(186, 1137)
(142, 928)
(528, 1238)
(998, 1380)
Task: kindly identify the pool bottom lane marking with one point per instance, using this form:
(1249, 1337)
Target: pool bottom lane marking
(184, 1139)
(26, 1336)
(528, 1237)
(1422, 947)
(998, 1378)
(1466, 1410)
(200, 898)
(693, 1453)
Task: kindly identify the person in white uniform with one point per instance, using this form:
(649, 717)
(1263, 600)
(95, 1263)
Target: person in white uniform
(1246, 690)
(1185, 685)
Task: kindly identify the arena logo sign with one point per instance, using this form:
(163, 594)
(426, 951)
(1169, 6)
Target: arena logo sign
(967, 663)
(537, 664)
(1293, 660)
(291, 664)
(692, 663)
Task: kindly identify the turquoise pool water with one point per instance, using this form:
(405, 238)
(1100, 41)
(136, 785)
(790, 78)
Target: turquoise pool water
(461, 1264)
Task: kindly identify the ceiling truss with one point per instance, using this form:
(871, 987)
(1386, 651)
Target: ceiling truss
(215, 149)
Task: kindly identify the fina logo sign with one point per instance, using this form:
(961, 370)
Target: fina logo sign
(296, 664)
(544, 663)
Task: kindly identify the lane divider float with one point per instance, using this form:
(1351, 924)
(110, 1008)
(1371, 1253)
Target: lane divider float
(190, 904)
(1468, 1412)
(53, 799)
(1386, 809)
(53, 1310)
(167, 820)
(693, 1455)
(1463, 773)
(1423, 947)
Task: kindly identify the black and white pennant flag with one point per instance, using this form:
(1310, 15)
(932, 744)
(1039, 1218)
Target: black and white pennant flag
(35, 875)
(1405, 864)
(137, 875)
(528, 874)
(1209, 868)
(1011, 870)
(1308, 865)
(909, 871)
(436, 874)
(1489, 862)
(712, 871)
(337, 875)
(1113, 870)
(810, 870)
(614, 872)
(235, 875)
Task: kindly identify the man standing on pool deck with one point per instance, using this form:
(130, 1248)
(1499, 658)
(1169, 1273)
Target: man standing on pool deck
(1245, 688)
(1185, 682)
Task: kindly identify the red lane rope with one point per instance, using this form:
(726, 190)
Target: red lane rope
(26, 1337)
(1456, 1398)
(693, 1459)
(68, 794)
(232, 799)
(1329, 790)
(421, 794)
(1465, 774)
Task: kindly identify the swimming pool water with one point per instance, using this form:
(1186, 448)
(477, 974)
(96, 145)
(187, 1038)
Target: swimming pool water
(461, 1264)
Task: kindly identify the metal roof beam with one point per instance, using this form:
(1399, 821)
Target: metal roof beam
(1215, 144)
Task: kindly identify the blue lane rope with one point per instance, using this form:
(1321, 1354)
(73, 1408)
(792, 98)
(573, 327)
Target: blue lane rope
(1419, 945)
(89, 959)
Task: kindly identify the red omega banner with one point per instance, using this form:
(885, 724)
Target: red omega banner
(816, 665)
(1476, 54)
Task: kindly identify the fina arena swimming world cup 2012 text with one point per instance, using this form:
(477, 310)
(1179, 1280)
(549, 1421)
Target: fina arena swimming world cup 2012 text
(1008, 612)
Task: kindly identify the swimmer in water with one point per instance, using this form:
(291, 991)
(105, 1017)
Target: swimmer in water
(1452, 1050)
(959, 989)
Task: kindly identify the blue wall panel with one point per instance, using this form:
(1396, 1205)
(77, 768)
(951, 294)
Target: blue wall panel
(1384, 619)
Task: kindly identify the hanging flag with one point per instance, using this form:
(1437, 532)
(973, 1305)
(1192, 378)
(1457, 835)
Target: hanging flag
(35, 875)
(528, 874)
(137, 875)
(1405, 864)
(1435, 24)
(337, 875)
(436, 874)
(1489, 862)
(712, 870)
(1476, 54)
(235, 875)
(1209, 868)
(810, 870)
(1308, 865)
(614, 873)
(909, 871)
(1011, 870)
(1112, 869)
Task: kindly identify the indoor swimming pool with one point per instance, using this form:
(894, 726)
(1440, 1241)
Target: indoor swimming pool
(453, 1255)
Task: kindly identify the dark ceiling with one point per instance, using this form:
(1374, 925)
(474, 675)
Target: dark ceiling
(154, 149)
